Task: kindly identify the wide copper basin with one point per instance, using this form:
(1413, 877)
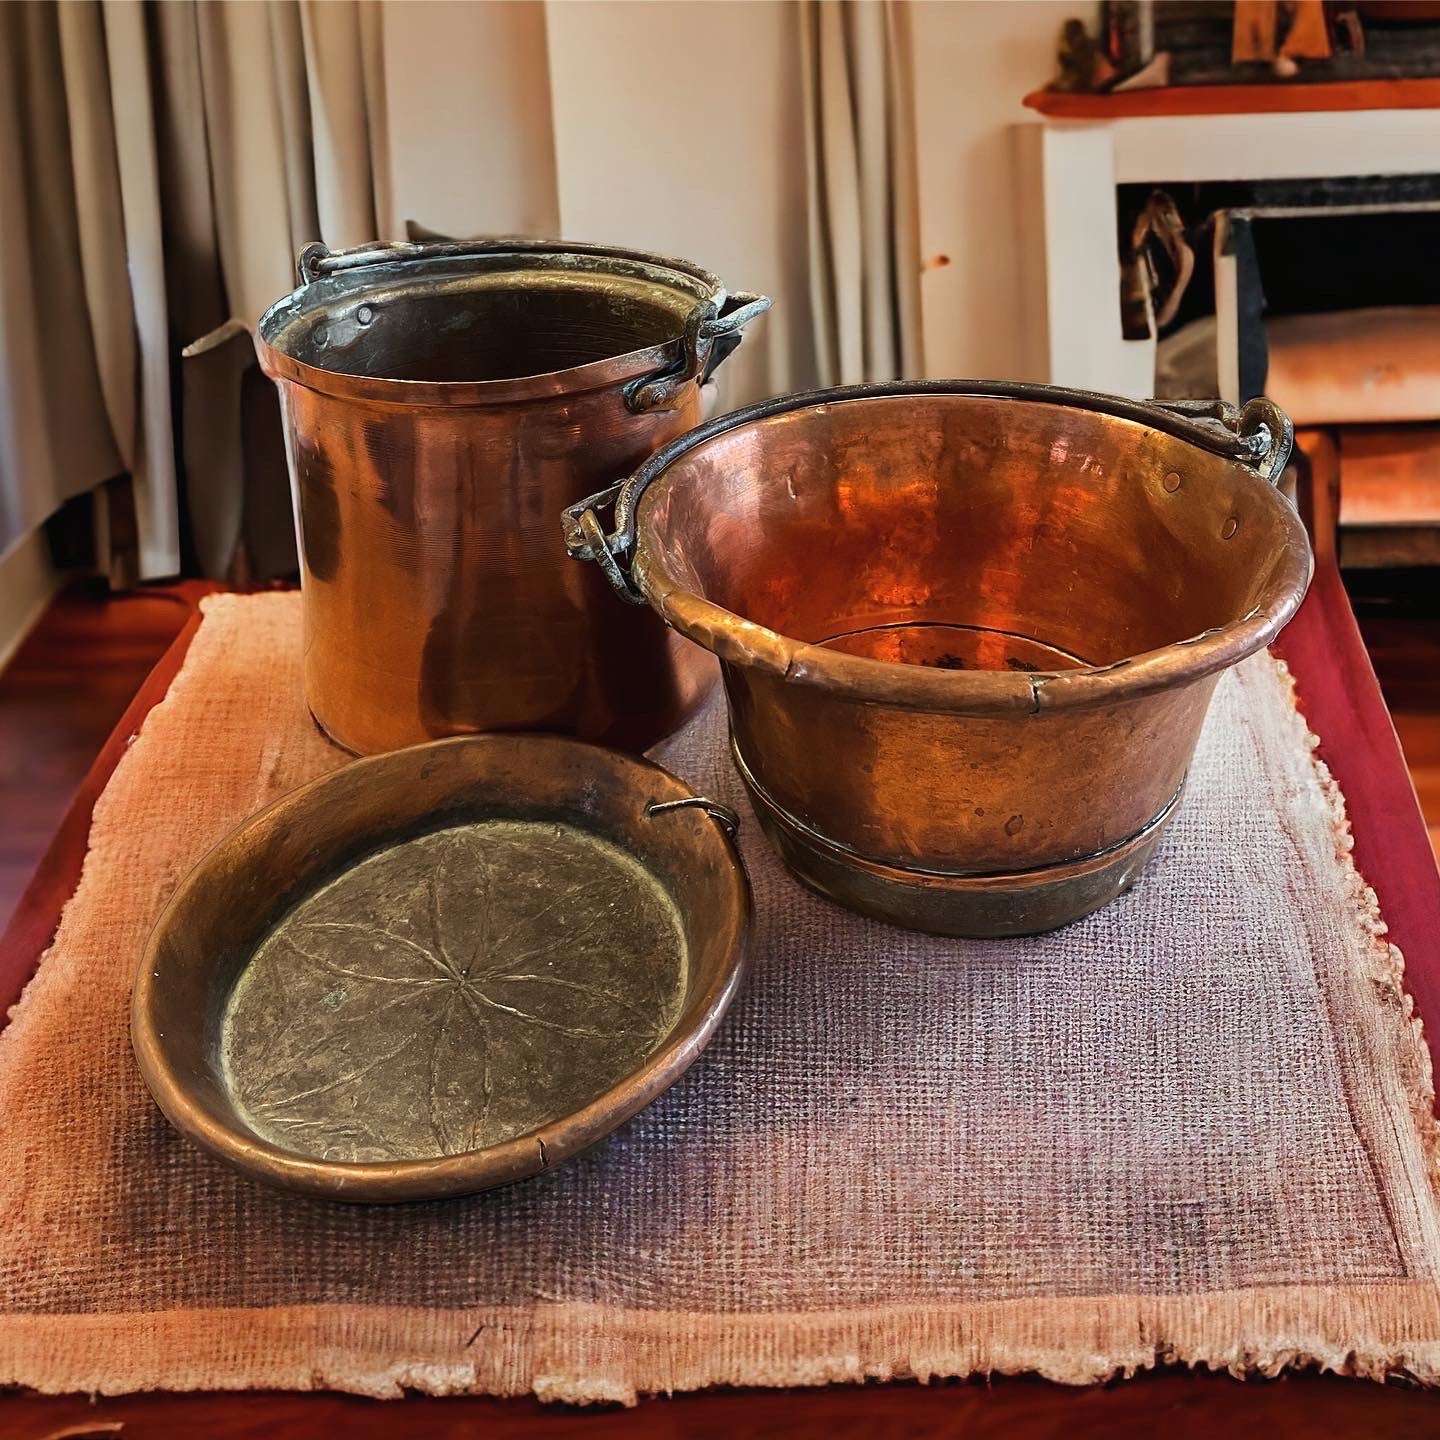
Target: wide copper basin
(969, 632)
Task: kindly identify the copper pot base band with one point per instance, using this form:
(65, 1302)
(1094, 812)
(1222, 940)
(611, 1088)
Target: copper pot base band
(1018, 902)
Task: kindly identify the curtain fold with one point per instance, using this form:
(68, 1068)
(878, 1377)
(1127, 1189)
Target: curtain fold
(101, 216)
(256, 109)
(337, 82)
(56, 440)
(151, 462)
(863, 192)
(162, 163)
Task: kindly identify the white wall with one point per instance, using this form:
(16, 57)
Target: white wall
(671, 126)
(974, 60)
(678, 128)
(467, 91)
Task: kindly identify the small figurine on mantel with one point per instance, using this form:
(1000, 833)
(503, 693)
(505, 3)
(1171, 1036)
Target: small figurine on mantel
(1084, 67)
(1256, 28)
(1089, 65)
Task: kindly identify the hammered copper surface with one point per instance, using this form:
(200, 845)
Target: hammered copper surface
(442, 969)
(441, 409)
(969, 639)
(453, 991)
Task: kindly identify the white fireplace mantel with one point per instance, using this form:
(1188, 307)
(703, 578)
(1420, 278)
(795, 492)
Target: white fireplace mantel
(1081, 161)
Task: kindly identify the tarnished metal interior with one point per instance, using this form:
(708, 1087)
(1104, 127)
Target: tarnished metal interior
(469, 326)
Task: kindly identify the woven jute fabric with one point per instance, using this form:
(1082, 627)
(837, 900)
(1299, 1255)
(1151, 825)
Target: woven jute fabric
(1195, 1127)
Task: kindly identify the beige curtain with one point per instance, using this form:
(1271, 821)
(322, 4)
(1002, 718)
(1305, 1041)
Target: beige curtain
(160, 166)
(64, 357)
(863, 191)
(167, 160)
(290, 150)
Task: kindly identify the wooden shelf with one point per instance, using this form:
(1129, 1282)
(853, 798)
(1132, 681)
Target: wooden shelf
(1282, 96)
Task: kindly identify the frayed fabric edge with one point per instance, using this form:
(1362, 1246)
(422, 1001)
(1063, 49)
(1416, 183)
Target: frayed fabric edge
(1406, 1030)
(576, 1354)
(585, 1354)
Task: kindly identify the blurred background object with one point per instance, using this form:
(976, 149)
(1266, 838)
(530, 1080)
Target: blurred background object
(1210, 42)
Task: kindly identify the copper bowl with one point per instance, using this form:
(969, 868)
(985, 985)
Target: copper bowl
(442, 969)
(969, 631)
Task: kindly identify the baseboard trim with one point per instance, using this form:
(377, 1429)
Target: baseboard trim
(28, 581)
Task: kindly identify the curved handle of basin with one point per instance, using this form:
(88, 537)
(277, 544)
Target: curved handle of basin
(1262, 428)
(722, 815)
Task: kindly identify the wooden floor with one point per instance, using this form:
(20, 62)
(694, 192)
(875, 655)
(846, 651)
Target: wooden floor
(69, 683)
(61, 695)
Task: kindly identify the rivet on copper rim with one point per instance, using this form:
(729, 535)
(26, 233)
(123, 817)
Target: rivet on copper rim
(1171, 482)
(1228, 529)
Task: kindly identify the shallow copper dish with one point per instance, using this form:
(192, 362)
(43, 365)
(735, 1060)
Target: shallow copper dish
(442, 969)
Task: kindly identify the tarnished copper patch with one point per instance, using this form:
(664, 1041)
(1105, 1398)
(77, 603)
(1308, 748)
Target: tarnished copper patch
(452, 991)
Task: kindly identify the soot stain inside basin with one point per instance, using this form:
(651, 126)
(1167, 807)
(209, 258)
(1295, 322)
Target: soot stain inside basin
(453, 991)
(952, 647)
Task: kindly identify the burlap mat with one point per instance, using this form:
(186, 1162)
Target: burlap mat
(1193, 1128)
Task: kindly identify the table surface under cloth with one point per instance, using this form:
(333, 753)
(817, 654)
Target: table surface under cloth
(1136, 1140)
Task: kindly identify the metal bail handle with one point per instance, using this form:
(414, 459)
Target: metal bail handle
(1260, 435)
(316, 260)
(1271, 434)
(585, 539)
(712, 331)
(309, 262)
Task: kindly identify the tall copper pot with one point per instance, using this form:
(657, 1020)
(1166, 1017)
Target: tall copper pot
(969, 630)
(442, 402)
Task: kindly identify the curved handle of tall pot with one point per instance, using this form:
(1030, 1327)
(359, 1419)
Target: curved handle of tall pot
(316, 260)
(712, 333)
(1259, 436)
(712, 329)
